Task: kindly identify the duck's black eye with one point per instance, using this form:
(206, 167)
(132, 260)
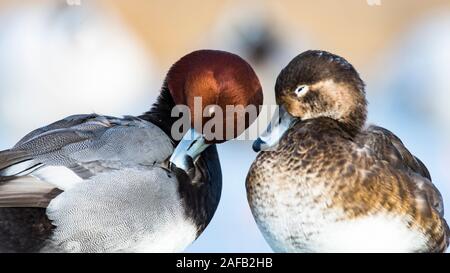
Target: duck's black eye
(301, 90)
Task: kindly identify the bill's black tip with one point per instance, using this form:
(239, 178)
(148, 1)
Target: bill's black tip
(257, 145)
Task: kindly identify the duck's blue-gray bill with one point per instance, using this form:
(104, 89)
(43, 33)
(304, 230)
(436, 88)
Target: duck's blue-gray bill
(280, 124)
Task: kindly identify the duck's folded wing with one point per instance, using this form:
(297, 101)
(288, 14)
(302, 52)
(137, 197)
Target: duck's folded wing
(60, 124)
(430, 206)
(390, 148)
(427, 200)
(112, 211)
(81, 146)
(387, 146)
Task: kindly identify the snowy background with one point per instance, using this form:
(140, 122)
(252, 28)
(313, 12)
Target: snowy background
(110, 57)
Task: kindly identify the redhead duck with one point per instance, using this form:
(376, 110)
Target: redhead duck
(107, 184)
(323, 182)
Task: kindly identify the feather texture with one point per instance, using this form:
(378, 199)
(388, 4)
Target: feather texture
(321, 177)
(121, 214)
(87, 145)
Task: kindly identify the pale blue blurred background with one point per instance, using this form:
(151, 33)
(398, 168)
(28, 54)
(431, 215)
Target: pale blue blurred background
(110, 57)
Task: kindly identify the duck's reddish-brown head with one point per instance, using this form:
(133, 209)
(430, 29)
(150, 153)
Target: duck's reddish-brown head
(216, 79)
(223, 95)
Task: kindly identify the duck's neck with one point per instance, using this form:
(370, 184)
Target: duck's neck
(201, 197)
(354, 122)
(160, 112)
(352, 128)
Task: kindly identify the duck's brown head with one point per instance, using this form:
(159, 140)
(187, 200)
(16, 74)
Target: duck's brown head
(214, 78)
(318, 84)
(210, 83)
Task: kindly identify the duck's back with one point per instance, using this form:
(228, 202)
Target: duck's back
(324, 189)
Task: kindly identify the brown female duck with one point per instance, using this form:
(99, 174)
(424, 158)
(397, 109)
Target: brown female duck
(325, 183)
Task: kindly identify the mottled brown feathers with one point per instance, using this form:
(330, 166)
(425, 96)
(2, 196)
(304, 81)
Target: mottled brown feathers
(328, 164)
(351, 176)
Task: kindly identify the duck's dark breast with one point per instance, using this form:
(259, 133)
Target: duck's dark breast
(24, 229)
(201, 193)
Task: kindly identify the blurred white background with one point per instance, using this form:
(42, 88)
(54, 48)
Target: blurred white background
(110, 57)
